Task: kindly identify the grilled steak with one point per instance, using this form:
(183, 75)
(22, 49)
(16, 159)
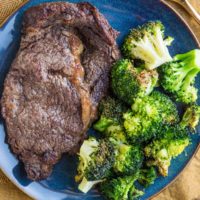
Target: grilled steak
(56, 81)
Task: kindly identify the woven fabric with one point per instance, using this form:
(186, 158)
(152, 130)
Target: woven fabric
(186, 187)
(7, 7)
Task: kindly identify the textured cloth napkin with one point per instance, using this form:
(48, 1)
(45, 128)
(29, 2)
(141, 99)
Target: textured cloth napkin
(185, 187)
(7, 7)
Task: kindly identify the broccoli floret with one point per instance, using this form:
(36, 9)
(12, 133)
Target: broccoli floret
(160, 152)
(191, 117)
(147, 176)
(147, 116)
(121, 188)
(128, 159)
(96, 159)
(167, 108)
(157, 103)
(177, 77)
(148, 44)
(111, 119)
(117, 133)
(140, 128)
(111, 111)
(129, 82)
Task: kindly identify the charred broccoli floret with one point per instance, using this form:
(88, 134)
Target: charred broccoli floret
(160, 152)
(129, 82)
(147, 116)
(177, 77)
(96, 159)
(147, 176)
(121, 188)
(173, 140)
(111, 112)
(191, 117)
(128, 159)
(111, 119)
(148, 43)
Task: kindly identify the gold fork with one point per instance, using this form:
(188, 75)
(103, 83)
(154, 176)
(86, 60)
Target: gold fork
(189, 8)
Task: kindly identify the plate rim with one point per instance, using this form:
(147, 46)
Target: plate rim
(32, 195)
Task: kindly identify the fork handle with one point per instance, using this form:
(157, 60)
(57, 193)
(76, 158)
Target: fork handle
(190, 9)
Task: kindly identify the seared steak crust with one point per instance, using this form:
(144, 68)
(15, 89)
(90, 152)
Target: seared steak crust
(56, 81)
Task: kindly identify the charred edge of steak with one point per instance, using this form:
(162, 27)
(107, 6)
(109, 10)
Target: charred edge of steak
(39, 16)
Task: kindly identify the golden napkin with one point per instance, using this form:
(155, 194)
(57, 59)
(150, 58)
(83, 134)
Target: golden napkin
(185, 187)
(7, 7)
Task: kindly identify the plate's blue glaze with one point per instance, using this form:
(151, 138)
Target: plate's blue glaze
(122, 14)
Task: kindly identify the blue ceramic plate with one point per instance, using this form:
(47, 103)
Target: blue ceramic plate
(122, 15)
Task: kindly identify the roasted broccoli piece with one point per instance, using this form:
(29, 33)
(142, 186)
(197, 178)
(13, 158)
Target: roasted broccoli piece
(157, 103)
(121, 188)
(191, 117)
(129, 82)
(116, 134)
(111, 112)
(128, 159)
(147, 176)
(96, 159)
(140, 128)
(160, 152)
(147, 116)
(172, 141)
(177, 77)
(111, 119)
(148, 43)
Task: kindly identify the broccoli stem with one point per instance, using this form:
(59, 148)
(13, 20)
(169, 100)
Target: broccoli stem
(188, 66)
(190, 78)
(182, 74)
(190, 59)
(145, 50)
(160, 46)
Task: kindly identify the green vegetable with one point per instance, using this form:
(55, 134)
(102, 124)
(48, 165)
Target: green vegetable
(129, 82)
(172, 141)
(191, 117)
(148, 115)
(121, 188)
(117, 133)
(96, 159)
(160, 152)
(178, 76)
(140, 128)
(148, 44)
(147, 135)
(147, 176)
(111, 112)
(157, 103)
(128, 159)
(111, 122)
